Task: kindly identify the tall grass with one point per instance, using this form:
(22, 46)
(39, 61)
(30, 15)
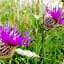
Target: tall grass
(48, 44)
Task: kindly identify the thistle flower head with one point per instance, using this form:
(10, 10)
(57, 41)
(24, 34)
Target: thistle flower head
(56, 14)
(11, 36)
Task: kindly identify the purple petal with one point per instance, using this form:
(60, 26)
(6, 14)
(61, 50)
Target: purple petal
(15, 29)
(21, 32)
(12, 37)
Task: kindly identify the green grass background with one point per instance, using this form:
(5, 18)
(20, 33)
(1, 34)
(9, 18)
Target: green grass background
(48, 44)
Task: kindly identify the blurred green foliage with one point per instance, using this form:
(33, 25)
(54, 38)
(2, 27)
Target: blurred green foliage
(51, 48)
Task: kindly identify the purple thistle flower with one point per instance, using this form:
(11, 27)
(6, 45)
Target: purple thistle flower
(56, 14)
(11, 36)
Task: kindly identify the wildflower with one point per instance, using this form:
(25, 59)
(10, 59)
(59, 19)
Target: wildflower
(13, 37)
(10, 38)
(49, 21)
(24, 11)
(56, 14)
(36, 16)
